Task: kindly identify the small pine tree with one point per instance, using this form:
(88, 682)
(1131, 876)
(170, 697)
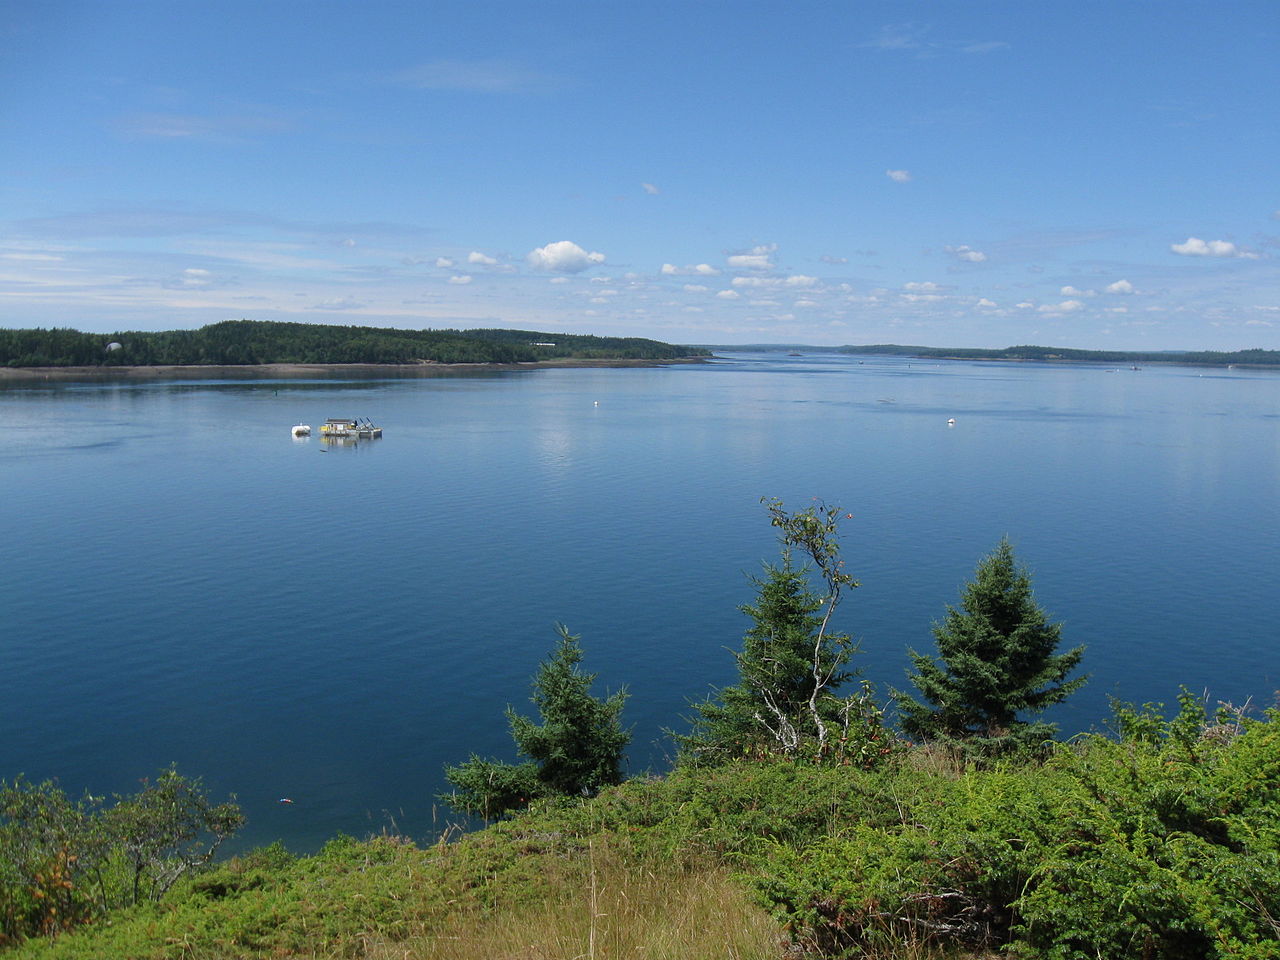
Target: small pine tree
(575, 751)
(995, 661)
(791, 662)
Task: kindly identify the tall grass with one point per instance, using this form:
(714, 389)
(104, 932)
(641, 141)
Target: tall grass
(620, 908)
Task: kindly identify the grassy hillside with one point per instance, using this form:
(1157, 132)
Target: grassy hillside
(1161, 841)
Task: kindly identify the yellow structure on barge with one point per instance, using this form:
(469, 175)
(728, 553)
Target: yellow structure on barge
(360, 429)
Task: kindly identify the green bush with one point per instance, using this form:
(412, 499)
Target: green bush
(1161, 845)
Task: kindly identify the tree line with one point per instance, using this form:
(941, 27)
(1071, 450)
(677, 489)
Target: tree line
(1256, 357)
(240, 342)
(996, 670)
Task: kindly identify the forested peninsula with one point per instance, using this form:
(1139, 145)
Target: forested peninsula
(255, 342)
(1213, 358)
(799, 820)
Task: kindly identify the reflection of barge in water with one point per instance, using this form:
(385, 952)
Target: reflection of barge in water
(359, 429)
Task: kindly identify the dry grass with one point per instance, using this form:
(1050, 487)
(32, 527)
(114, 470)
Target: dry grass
(652, 911)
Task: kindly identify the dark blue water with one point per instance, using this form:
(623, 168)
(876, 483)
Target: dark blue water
(184, 582)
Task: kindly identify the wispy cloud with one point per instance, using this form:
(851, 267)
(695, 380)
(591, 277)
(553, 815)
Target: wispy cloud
(650, 189)
(196, 127)
(915, 38)
(899, 176)
(162, 222)
(697, 269)
(339, 303)
(476, 76)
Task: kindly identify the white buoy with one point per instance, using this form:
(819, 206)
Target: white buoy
(302, 430)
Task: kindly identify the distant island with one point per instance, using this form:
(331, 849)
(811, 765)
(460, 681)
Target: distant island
(259, 342)
(1255, 358)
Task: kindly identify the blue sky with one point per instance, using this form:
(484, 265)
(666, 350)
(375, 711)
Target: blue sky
(1099, 175)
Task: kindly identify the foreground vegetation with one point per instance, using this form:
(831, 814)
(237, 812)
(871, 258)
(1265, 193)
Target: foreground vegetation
(1162, 841)
(796, 822)
(239, 342)
(1257, 357)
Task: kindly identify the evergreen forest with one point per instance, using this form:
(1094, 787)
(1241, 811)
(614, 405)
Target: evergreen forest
(1209, 358)
(241, 342)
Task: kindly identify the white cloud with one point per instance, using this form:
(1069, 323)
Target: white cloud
(560, 280)
(967, 254)
(650, 189)
(833, 260)
(461, 279)
(898, 176)
(1066, 306)
(563, 256)
(795, 280)
(1120, 286)
(805, 303)
(927, 286)
(484, 260)
(700, 269)
(695, 288)
(196, 277)
(921, 297)
(984, 302)
(1070, 291)
(757, 258)
(446, 262)
(728, 295)
(1025, 305)
(1195, 247)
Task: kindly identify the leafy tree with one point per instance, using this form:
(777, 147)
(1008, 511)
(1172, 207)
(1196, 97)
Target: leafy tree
(995, 661)
(166, 830)
(791, 660)
(575, 750)
(64, 862)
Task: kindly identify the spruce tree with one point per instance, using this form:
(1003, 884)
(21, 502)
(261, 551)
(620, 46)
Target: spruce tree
(996, 663)
(791, 661)
(575, 751)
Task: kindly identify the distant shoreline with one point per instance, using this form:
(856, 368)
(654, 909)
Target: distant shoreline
(267, 371)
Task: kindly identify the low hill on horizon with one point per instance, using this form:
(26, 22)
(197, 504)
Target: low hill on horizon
(1254, 357)
(250, 342)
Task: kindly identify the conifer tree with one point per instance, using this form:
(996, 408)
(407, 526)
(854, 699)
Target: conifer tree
(575, 751)
(995, 662)
(791, 660)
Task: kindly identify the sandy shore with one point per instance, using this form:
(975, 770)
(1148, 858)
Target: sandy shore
(275, 371)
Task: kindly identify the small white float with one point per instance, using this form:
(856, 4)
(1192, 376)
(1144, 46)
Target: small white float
(301, 430)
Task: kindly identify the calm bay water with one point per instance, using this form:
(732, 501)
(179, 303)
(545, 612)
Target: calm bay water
(185, 583)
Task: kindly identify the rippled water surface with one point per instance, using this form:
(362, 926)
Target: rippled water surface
(184, 582)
